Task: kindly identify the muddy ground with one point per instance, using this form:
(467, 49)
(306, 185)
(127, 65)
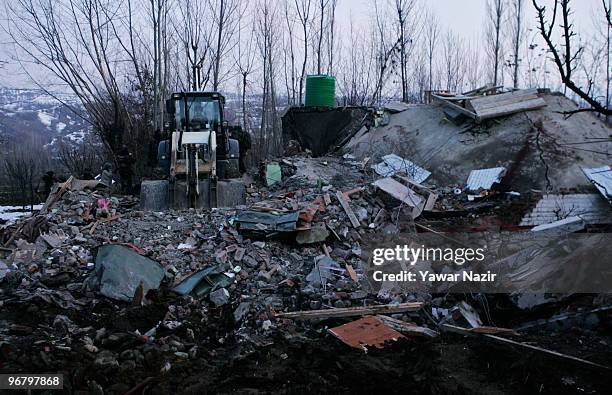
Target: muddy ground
(299, 358)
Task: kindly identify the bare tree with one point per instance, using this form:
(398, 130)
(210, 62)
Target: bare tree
(404, 10)
(473, 66)
(225, 21)
(607, 7)
(453, 57)
(290, 71)
(23, 163)
(77, 158)
(321, 31)
(266, 33)
(356, 77)
(495, 13)
(79, 42)
(331, 36)
(566, 56)
(386, 46)
(432, 32)
(245, 63)
(303, 11)
(517, 32)
(195, 37)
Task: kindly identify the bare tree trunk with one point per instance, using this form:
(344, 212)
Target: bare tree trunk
(322, 6)
(517, 38)
(495, 13)
(303, 10)
(431, 36)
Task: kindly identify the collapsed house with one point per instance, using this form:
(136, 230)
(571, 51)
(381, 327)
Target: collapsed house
(282, 289)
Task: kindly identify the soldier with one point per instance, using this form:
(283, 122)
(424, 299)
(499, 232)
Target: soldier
(124, 161)
(47, 183)
(106, 177)
(87, 174)
(244, 141)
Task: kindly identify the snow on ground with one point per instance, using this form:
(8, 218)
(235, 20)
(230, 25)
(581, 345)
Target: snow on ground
(76, 136)
(45, 118)
(12, 213)
(60, 127)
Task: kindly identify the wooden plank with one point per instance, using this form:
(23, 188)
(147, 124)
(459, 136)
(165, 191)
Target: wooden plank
(455, 106)
(513, 108)
(352, 273)
(399, 191)
(478, 108)
(327, 199)
(432, 196)
(352, 311)
(407, 328)
(347, 209)
(498, 339)
(485, 100)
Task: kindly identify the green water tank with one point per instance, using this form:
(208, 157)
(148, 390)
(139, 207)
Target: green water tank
(320, 91)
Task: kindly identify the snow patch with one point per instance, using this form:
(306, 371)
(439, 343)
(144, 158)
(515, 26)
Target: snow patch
(12, 213)
(60, 127)
(45, 118)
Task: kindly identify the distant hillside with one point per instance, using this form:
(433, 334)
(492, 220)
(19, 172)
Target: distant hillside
(40, 116)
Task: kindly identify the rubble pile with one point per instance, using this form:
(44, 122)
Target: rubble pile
(121, 300)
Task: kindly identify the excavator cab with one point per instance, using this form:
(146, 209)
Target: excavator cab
(198, 156)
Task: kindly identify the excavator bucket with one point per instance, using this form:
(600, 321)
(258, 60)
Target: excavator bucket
(161, 195)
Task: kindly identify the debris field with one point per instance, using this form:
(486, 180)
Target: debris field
(277, 296)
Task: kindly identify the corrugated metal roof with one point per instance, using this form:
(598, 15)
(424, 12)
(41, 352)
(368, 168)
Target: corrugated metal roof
(601, 177)
(590, 207)
(392, 164)
(484, 178)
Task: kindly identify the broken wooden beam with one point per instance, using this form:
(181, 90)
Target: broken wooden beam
(502, 340)
(406, 328)
(352, 311)
(347, 209)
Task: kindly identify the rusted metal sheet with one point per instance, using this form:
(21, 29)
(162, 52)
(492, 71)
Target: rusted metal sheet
(366, 332)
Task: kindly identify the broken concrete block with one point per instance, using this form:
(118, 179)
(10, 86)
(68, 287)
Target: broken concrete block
(322, 272)
(316, 234)
(241, 311)
(220, 297)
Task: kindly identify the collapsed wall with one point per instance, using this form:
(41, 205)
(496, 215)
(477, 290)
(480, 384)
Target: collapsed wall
(541, 149)
(322, 129)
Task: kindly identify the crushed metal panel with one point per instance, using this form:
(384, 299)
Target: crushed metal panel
(590, 207)
(392, 164)
(601, 177)
(266, 222)
(484, 178)
(366, 332)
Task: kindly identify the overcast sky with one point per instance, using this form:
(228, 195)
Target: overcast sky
(464, 17)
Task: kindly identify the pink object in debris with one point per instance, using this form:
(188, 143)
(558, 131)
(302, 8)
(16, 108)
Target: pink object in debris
(103, 205)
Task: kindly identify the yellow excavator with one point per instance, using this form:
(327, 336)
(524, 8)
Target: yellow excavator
(199, 158)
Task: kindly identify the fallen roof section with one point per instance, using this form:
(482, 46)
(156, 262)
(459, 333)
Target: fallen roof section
(591, 208)
(481, 108)
(601, 177)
